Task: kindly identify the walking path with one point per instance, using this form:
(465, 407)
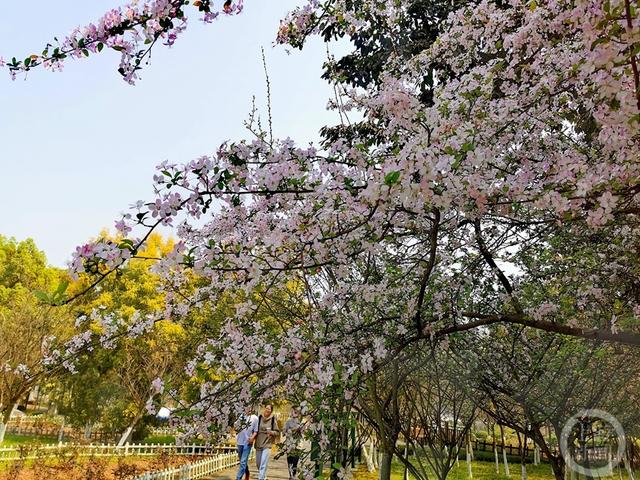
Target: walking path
(277, 470)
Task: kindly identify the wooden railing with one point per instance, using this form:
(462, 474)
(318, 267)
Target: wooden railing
(170, 431)
(483, 446)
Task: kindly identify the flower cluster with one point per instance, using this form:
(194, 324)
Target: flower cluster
(106, 254)
(20, 370)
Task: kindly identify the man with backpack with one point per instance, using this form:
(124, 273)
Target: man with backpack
(267, 434)
(247, 428)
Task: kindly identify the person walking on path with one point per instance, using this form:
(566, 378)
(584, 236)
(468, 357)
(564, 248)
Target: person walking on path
(247, 430)
(292, 442)
(268, 431)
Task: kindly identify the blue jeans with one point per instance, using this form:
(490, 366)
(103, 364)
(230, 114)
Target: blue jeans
(243, 455)
(262, 460)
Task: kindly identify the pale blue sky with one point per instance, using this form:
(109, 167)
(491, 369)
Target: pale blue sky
(77, 147)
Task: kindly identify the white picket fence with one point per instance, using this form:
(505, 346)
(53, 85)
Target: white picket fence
(195, 470)
(164, 431)
(110, 450)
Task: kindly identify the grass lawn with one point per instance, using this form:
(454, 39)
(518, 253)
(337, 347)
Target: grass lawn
(12, 440)
(160, 439)
(481, 471)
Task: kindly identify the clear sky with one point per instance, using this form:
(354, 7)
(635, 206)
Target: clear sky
(78, 147)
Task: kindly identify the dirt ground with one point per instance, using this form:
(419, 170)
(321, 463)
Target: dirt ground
(89, 468)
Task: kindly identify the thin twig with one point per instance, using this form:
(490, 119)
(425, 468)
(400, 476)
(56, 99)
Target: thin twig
(266, 76)
(634, 65)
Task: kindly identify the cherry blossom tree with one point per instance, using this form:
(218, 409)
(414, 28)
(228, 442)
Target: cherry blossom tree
(492, 178)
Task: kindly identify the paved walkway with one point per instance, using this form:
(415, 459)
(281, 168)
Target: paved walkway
(277, 470)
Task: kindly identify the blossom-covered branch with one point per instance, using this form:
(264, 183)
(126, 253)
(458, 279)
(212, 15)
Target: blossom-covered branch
(131, 30)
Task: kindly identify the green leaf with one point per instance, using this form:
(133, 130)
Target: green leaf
(336, 466)
(467, 147)
(42, 296)
(27, 61)
(126, 244)
(392, 178)
(100, 46)
(599, 41)
(62, 287)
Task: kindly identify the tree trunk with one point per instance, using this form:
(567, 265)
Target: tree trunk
(405, 475)
(129, 430)
(385, 464)
(523, 456)
(557, 465)
(556, 461)
(6, 415)
(127, 433)
(504, 453)
(61, 432)
(506, 463)
(444, 471)
(374, 455)
(367, 459)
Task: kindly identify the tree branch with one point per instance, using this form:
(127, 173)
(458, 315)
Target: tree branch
(484, 251)
(429, 269)
(627, 338)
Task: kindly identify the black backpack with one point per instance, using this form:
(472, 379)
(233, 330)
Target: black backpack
(273, 419)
